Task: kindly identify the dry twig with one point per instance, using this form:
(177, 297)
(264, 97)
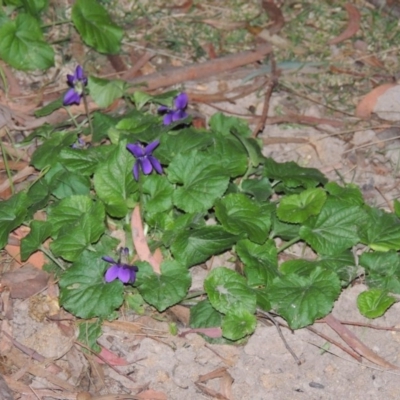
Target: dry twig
(276, 323)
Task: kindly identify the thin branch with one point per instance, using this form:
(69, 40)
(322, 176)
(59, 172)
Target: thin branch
(277, 326)
(173, 76)
(267, 97)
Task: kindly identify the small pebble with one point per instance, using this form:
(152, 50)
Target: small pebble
(316, 385)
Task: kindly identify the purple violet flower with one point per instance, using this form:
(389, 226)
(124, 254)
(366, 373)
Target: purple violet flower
(79, 144)
(144, 158)
(177, 113)
(77, 83)
(120, 269)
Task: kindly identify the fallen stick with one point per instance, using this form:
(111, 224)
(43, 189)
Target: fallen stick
(267, 97)
(172, 76)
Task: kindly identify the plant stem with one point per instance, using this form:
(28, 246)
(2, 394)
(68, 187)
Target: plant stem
(72, 117)
(288, 244)
(87, 112)
(51, 257)
(141, 196)
(248, 172)
(3, 152)
(195, 294)
(3, 76)
(61, 22)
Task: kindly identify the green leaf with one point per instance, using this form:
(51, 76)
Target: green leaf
(65, 183)
(159, 194)
(140, 127)
(95, 26)
(192, 247)
(113, 181)
(183, 141)
(104, 91)
(292, 175)
(260, 262)
(140, 99)
(298, 207)
(262, 298)
(299, 267)
(302, 300)
(77, 222)
(253, 149)
(204, 315)
(396, 205)
(334, 229)
(228, 291)
(135, 302)
(381, 231)
(238, 323)
(374, 303)
(231, 153)
(44, 131)
(22, 44)
(224, 124)
(201, 178)
(83, 291)
(81, 161)
(49, 108)
(259, 188)
(89, 332)
(12, 214)
(283, 230)
(241, 216)
(169, 288)
(40, 231)
(382, 270)
(48, 153)
(33, 7)
(38, 195)
(179, 224)
(350, 194)
(343, 264)
(101, 124)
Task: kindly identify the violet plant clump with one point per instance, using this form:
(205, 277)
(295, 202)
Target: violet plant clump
(77, 83)
(214, 192)
(176, 113)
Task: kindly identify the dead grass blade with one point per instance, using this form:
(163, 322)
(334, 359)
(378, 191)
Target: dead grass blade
(18, 177)
(225, 392)
(5, 392)
(352, 340)
(151, 394)
(210, 332)
(336, 343)
(105, 361)
(26, 391)
(37, 370)
(352, 27)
